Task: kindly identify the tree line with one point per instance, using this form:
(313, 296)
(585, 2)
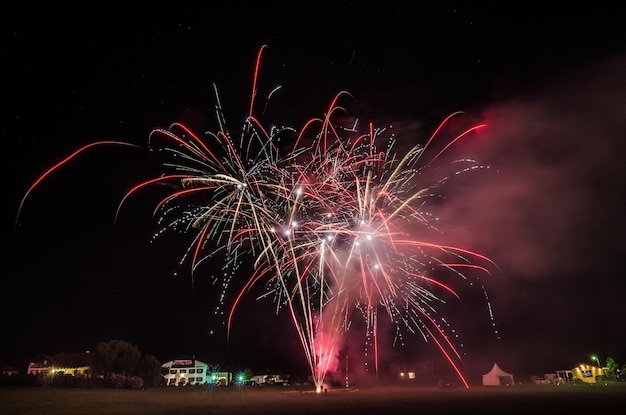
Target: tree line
(113, 364)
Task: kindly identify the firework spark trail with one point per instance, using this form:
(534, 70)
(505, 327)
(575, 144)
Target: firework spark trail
(334, 225)
(60, 164)
(334, 210)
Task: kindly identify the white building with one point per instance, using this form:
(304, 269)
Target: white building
(270, 379)
(186, 371)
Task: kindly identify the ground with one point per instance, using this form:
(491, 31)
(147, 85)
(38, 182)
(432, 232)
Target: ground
(278, 400)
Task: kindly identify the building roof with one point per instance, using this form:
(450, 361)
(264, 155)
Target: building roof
(63, 359)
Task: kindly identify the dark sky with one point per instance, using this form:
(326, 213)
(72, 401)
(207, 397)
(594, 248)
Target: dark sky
(550, 84)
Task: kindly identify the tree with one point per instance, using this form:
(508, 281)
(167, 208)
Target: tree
(149, 368)
(116, 357)
(612, 368)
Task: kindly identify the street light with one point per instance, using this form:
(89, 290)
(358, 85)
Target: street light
(597, 359)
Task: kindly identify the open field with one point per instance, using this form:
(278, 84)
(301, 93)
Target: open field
(526, 399)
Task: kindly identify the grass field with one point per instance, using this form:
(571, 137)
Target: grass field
(525, 399)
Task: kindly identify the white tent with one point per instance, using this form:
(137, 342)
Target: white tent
(498, 377)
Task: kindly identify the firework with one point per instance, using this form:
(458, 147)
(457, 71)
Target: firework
(336, 222)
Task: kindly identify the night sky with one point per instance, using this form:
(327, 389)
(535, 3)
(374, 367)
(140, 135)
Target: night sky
(550, 84)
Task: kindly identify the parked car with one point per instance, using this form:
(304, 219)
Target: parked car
(542, 381)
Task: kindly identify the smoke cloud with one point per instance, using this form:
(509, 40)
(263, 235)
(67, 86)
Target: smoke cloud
(549, 212)
(552, 194)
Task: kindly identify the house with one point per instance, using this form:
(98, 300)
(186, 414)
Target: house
(185, 371)
(587, 373)
(413, 372)
(583, 372)
(565, 375)
(62, 363)
(10, 370)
